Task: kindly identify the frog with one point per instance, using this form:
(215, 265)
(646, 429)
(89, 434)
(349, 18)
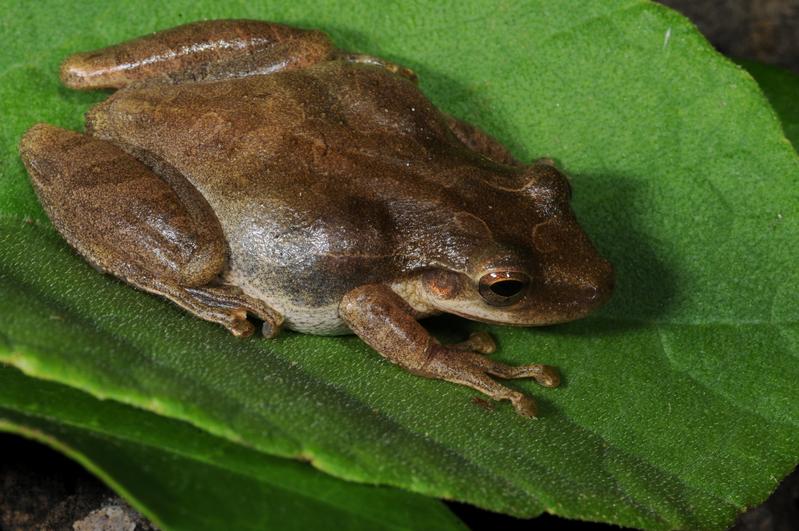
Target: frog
(253, 173)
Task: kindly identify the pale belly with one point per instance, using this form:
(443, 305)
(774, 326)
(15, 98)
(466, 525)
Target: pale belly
(320, 320)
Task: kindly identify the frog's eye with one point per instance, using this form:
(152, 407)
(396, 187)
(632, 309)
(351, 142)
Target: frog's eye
(502, 288)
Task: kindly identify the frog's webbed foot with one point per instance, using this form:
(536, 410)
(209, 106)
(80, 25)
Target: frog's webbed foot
(199, 51)
(159, 236)
(361, 58)
(383, 320)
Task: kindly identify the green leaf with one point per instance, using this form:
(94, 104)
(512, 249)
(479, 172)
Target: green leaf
(781, 88)
(680, 407)
(184, 478)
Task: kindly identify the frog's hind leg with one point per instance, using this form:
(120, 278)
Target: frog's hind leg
(129, 222)
(206, 50)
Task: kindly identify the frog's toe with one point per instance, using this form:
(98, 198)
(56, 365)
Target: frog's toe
(545, 375)
(548, 376)
(240, 327)
(481, 342)
(525, 406)
(270, 328)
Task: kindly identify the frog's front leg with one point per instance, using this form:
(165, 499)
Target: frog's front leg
(127, 221)
(380, 317)
(207, 50)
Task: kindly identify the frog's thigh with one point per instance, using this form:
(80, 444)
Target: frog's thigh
(478, 140)
(128, 222)
(213, 49)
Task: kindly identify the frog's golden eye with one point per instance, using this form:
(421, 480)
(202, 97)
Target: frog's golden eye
(502, 288)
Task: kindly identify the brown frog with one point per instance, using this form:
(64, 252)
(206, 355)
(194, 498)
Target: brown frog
(250, 168)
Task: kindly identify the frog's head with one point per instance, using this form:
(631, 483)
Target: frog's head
(544, 271)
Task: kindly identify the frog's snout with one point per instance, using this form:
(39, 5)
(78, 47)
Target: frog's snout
(573, 276)
(588, 287)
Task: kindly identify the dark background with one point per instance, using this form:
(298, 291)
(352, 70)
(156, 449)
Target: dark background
(42, 490)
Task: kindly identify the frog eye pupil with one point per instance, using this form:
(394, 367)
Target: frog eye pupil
(507, 288)
(503, 288)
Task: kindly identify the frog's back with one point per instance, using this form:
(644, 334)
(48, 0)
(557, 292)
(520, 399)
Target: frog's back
(268, 130)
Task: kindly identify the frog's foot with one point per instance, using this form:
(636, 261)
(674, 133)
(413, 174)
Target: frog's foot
(483, 343)
(228, 306)
(473, 369)
(372, 60)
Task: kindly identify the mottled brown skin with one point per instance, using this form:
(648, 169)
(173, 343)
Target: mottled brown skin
(250, 168)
